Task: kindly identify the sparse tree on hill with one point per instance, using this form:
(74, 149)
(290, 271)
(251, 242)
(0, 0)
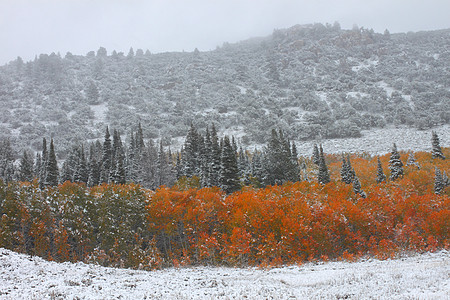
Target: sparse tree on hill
(323, 176)
(380, 173)
(395, 164)
(439, 183)
(436, 151)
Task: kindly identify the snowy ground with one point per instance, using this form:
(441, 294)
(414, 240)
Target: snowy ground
(425, 276)
(380, 141)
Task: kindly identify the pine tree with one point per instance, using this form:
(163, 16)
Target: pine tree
(380, 174)
(6, 161)
(229, 173)
(43, 167)
(412, 160)
(94, 168)
(395, 164)
(436, 151)
(316, 155)
(26, 167)
(106, 158)
(323, 176)
(191, 155)
(81, 173)
(215, 162)
(52, 172)
(37, 165)
(347, 171)
(357, 187)
(439, 184)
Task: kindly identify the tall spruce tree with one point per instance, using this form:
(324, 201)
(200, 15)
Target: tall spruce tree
(347, 171)
(215, 163)
(395, 164)
(52, 172)
(316, 155)
(436, 151)
(323, 176)
(380, 173)
(26, 167)
(439, 183)
(106, 158)
(43, 167)
(357, 187)
(6, 161)
(229, 173)
(191, 155)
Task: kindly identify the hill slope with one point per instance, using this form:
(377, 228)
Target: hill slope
(312, 81)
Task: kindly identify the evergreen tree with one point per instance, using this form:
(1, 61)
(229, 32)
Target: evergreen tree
(295, 174)
(347, 171)
(436, 151)
(412, 160)
(323, 176)
(81, 173)
(395, 164)
(163, 172)
(26, 167)
(6, 161)
(439, 183)
(215, 162)
(229, 173)
(191, 155)
(94, 167)
(37, 165)
(106, 158)
(380, 173)
(52, 172)
(357, 187)
(43, 167)
(316, 155)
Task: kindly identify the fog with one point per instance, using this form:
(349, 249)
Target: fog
(31, 27)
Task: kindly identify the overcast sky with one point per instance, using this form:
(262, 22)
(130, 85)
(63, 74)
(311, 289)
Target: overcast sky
(32, 27)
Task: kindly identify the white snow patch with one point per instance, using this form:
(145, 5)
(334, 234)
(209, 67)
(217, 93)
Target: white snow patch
(242, 89)
(389, 90)
(423, 276)
(100, 111)
(380, 141)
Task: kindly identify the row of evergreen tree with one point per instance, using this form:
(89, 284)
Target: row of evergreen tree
(206, 158)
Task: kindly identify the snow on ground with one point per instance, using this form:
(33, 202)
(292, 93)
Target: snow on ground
(380, 141)
(425, 276)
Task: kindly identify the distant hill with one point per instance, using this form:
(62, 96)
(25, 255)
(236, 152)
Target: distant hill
(312, 81)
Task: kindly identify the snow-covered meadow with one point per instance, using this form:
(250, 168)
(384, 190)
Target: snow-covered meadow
(425, 276)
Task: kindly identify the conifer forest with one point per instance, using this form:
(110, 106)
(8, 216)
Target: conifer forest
(149, 161)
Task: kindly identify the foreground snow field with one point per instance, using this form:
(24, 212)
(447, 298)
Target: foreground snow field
(425, 276)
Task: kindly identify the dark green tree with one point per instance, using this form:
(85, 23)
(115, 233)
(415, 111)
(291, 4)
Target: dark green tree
(357, 187)
(52, 172)
(6, 161)
(316, 155)
(395, 164)
(323, 176)
(106, 158)
(229, 173)
(380, 173)
(26, 167)
(439, 183)
(436, 151)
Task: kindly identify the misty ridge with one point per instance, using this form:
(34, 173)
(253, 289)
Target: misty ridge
(311, 81)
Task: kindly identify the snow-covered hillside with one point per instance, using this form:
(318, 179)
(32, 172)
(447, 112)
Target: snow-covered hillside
(425, 276)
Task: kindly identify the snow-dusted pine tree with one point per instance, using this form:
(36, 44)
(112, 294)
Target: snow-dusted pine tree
(395, 164)
(439, 184)
(436, 151)
(380, 173)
